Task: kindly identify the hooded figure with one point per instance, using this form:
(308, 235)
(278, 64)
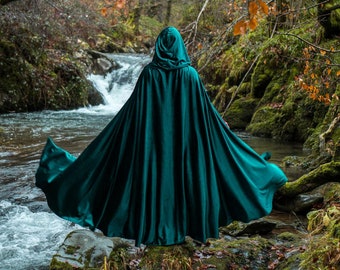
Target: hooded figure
(167, 166)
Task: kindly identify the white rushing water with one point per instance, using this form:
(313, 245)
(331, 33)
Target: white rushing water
(29, 233)
(117, 86)
(29, 239)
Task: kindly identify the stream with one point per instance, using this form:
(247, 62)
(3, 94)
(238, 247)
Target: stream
(29, 233)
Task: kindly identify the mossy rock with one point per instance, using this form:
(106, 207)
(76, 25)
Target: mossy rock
(240, 112)
(288, 236)
(323, 248)
(222, 97)
(330, 17)
(263, 122)
(168, 257)
(261, 78)
(329, 172)
(242, 253)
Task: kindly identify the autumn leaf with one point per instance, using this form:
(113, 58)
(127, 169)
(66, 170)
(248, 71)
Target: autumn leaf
(338, 73)
(253, 8)
(252, 23)
(264, 7)
(322, 52)
(240, 28)
(104, 12)
(120, 4)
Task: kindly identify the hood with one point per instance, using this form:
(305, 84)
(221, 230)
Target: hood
(170, 50)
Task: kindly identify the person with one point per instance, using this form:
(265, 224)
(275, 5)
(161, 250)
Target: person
(167, 166)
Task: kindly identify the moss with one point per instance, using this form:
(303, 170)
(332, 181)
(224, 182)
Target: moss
(57, 265)
(71, 249)
(263, 122)
(288, 236)
(240, 113)
(168, 257)
(329, 172)
(292, 262)
(324, 249)
(221, 98)
(247, 253)
(88, 256)
(333, 139)
(261, 78)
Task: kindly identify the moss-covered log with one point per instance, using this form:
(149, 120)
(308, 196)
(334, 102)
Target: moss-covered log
(329, 172)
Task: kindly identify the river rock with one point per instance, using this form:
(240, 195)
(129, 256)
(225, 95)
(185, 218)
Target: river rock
(83, 249)
(101, 63)
(260, 226)
(304, 202)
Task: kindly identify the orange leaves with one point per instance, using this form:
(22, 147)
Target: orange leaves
(264, 7)
(255, 8)
(319, 79)
(253, 23)
(120, 4)
(103, 11)
(117, 7)
(240, 28)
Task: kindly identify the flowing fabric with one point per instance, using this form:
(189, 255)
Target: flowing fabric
(166, 166)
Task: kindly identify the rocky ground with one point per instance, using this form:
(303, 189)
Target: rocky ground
(282, 240)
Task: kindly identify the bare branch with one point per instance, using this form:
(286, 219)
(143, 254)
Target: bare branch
(193, 30)
(309, 43)
(239, 86)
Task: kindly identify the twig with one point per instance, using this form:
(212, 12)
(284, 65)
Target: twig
(239, 86)
(195, 23)
(309, 43)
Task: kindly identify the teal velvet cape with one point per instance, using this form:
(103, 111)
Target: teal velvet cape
(165, 167)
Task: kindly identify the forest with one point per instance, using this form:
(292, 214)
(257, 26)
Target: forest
(271, 68)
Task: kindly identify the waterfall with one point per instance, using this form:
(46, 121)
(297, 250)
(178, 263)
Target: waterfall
(116, 87)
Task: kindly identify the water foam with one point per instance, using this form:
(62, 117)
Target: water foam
(34, 240)
(117, 86)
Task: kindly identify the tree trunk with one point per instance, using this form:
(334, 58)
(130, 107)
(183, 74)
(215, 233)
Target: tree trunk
(283, 7)
(329, 172)
(328, 18)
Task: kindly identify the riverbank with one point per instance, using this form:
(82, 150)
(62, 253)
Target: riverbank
(279, 81)
(280, 241)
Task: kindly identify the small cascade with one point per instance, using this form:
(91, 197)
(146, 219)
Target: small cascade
(116, 87)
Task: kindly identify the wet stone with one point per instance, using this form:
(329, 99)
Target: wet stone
(84, 248)
(260, 226)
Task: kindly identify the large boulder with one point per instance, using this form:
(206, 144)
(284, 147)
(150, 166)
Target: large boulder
(83, 249)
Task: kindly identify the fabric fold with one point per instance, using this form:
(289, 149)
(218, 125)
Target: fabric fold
(165, 167)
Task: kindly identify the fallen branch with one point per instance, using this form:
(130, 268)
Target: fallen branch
(328, 172)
